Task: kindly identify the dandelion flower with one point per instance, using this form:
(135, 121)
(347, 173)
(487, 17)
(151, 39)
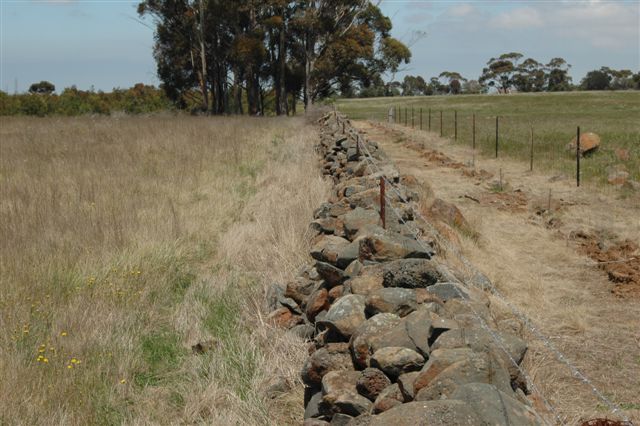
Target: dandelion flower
(64, 333)
(45, 360)
(123, 381)
(69, 366)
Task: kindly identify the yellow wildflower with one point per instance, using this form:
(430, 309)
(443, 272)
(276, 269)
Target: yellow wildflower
(123, 381)
(64, 333)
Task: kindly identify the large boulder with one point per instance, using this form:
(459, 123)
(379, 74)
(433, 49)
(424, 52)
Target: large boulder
(394, 361)
(345, 315)
(431, 413)
(439, 360)
(448, 213)
(326, 248)
(411, 273)
(364, 284)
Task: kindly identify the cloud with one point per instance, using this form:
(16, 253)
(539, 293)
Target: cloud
(520, 18)
(462, 10)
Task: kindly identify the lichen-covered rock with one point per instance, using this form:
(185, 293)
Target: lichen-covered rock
(358, 218)
(345, 315)
(411, 273)
(332, 357)
(405, 383)
(364, 284)
(400, 301)
(431, 413)
(330, 274)
(439, 360)
(382, 248)
(316, 303)
(387, 399)
(360, 343)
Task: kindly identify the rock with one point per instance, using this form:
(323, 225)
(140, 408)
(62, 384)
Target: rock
(371, 382)
(312, 409)
(338, 381)
(273, 294)
(314, 422)
(495, 407)
(358, 218)
(448, 213)
(476, 368)
(345, 315)
(326, 248)
(589, 142)
(299, 289)
(347, 402)
(277, 386)
(622, 154)
(419, 327)
(328, 225)
(411, 273)
(335, 293)
(394, 361)
(283, 318)
(439, 360)
(303, 331)
(448, 291)
(360, 343)
(617, 175)
(340, 419)
(347, 254)
(405, 383)
(354, 269)
(367, 231)
(387, 399)
(317, 302)
(382, 248)
(400, 301)
(332, 357)
(479, 340)
(332, 275)
(365, 199)
(431, 413)
(203, 347)
(364, 284)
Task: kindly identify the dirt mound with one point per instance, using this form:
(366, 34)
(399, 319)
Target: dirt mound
(619, 259)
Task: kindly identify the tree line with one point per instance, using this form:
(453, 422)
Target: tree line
(230, 56)
(506, 73)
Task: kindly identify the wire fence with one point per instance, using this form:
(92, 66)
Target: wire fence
(471, 275)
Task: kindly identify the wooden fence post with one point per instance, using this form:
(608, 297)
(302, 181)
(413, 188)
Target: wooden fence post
(531, 159)
(420, 118)
(496, 136)
(441, 131)
(455, 124)
(578, 157)
(382, 202)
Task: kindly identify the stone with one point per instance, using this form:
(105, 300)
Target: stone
(326, 247)
(448, 213)
(622, 154)
(314, 422)
(387, 399)
(332, 357)
(358, 218)
(335, 293)
(431, 413)
(333, 276)
(371, 382)
(439, 360)
(299, 289)
(283, 318)
(364, 284)
(479, 367)
(338, 381)
(400, 301)
(495, 407)
(382, 248)
(419, 327)
(317, 302)
(448, 291)
(312, 409)
(394, 361)
(276, 386)
(589, 142)
(328, 225)
(405, 383)
(347, 402)
(273, 295)
(345, 315)
(618, 177)
(481, 341)
(360, 343)
(365, 199)
(354, 269)
(290, 303)
(340, 419)
(303, 331)
(411, 273)
(347, 254)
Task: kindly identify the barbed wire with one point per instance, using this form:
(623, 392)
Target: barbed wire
(471, 268)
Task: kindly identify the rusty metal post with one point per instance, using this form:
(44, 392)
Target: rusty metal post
(358, 145)
(578, 157)
(496, 136)
(382, 202)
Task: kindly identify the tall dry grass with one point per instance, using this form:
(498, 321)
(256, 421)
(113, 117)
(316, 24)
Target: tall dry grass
(125, 241)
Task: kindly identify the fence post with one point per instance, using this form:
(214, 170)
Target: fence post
(412, 121)
(420, 118)
(382, 202)
(531, 160)
(496, 136)
(358, 145)
(578, 157)
(455, 125)
(473, 139)
(441, 131)
(405, 116)
(429, 119)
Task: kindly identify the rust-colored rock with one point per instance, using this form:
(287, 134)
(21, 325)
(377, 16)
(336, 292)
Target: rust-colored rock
(335, 293)
(318, 302)
(589, 142)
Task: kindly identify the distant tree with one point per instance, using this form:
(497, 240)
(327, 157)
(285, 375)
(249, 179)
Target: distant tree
(472, 87)
(597, 79)
(530, 76)
(393, 88)
(413, 86)
(636, 80)
(435, 87)
(558, 75)
(42, 88)
(622, 80)
(453, 81)
(500, 71)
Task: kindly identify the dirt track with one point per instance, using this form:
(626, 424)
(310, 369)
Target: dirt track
(532, 238)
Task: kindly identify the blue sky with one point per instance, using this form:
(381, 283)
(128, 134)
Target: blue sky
(99, 43)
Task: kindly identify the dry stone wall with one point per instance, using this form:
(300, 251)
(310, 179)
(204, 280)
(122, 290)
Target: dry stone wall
(395, 337)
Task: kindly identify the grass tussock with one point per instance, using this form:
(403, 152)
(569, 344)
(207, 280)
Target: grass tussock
(125, 241)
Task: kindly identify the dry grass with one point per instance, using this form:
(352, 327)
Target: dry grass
(124, 242)
(540, 271)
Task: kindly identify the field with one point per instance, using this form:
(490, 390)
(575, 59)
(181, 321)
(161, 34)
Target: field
(125, 242)
(554, 117)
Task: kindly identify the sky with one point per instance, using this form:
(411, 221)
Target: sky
(100, 43)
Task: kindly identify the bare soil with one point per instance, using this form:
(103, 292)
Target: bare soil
(581, 292)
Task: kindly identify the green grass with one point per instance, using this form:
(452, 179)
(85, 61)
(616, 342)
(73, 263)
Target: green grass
(554, 117)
